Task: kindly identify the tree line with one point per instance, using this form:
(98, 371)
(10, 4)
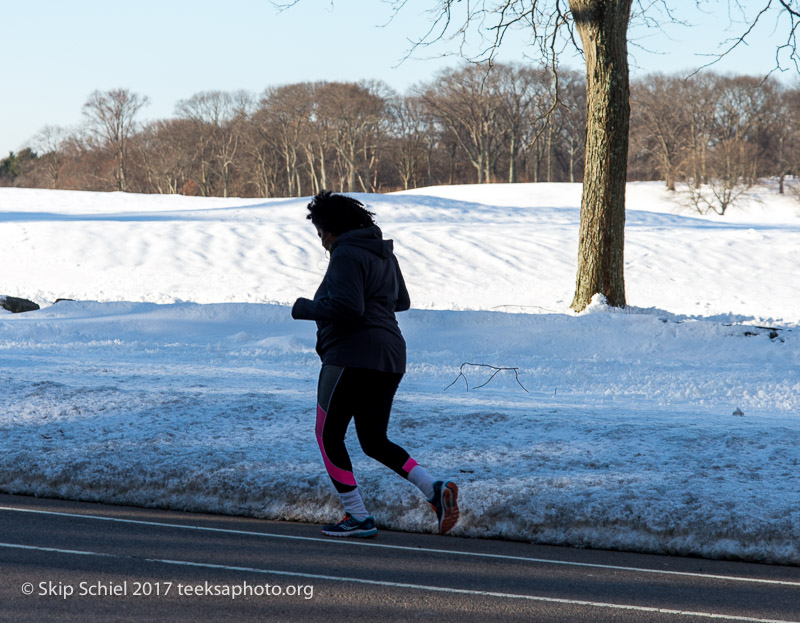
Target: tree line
(511, 123)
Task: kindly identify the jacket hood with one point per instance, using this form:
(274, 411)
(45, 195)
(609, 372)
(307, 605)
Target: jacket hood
(369, 238)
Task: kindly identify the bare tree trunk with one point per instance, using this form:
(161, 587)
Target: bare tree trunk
(452, 154)
(572, 151)
(289, 167)
(487, 163)
(315, 187)
(429, 170)
(668, 165)
(350, 164)
(323, 172)
(670, 181)
(512, 160)
(603, 25)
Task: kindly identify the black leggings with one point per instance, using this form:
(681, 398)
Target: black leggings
(366, 396)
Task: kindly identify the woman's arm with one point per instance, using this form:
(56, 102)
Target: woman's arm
(403, 299)
(345, 296)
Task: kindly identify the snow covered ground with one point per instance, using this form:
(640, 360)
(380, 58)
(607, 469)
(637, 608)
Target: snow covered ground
(178, 379)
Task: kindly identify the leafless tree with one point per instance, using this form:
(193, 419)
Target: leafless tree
(89, 164)
(661, 119)
(355, 115)
(261, 158)
(112, 116)
(284, 119)
(412, 134)
(525, 104)
(318, 139)
(735, 122)
(467, 103)
(785, 136)
(219, 119)
(569, 122)
(50, 143)
(602, 26)
(163, 154)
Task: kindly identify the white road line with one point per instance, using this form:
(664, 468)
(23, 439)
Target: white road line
(360, 543)
(58, 550)
(420, 587)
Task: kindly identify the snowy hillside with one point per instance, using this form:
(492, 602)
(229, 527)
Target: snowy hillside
(178, 379)
(462, 247)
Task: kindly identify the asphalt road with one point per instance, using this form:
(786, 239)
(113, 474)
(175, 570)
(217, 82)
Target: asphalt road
(68, 561)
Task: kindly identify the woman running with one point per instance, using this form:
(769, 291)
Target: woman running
(363, 358)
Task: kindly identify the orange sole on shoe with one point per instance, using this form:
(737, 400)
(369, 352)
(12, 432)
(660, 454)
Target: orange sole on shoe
(451, 512)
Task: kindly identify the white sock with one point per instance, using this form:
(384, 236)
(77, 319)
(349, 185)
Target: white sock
(423, 480)
(354, 505)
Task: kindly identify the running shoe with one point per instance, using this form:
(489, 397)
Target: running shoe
(445, 504)
(349, 526)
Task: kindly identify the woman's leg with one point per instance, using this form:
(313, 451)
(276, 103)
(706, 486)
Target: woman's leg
(333, 418)
(334, 412)
(371, 414)
(367, 396)
(372, 422)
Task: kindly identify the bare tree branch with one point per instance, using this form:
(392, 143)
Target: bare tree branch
(784, 9)
(496, 369)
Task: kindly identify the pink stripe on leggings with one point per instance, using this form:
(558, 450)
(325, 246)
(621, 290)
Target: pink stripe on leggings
(337, 473)
(409, 465)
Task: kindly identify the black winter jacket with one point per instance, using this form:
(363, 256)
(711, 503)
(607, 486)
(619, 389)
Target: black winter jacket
(356, 302)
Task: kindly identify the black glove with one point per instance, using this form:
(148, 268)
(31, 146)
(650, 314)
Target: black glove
(300, 309)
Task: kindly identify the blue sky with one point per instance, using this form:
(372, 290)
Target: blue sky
(58, 52)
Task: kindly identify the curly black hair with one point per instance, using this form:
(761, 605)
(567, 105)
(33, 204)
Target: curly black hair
(336, 213)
